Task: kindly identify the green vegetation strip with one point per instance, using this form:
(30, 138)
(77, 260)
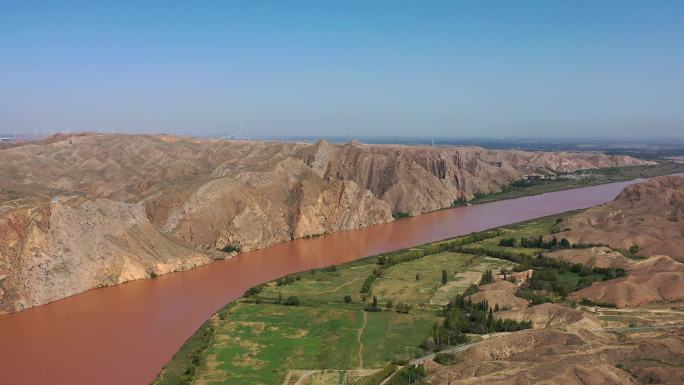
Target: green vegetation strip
(375, 311)
(581, 178)
(183, 366)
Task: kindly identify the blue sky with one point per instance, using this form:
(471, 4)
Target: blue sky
(401, 68)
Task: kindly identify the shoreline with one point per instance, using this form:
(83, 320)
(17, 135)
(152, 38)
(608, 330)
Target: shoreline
(496, 197)
(147, 321)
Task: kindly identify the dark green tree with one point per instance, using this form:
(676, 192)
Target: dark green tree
(487, 277)
(445, 277)
(565, 244)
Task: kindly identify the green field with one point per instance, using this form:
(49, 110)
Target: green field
(320, 286)
(323, 339)
(258, 343)
(399, 282)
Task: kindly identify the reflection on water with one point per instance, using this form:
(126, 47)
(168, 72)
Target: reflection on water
(124, 334)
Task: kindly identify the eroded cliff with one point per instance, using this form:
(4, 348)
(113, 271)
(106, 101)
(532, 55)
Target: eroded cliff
(89, 210)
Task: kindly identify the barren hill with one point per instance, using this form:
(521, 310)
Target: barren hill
(657, 278)
(501, 294)
(603, 257)
(89, 210)
(551, 356)
(648, 214)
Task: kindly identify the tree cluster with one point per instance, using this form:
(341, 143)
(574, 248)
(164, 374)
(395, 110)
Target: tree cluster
(539, 243)
(287, 280)
(487, 277)
(462, 316)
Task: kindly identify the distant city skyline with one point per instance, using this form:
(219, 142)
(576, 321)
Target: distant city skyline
(443, 69)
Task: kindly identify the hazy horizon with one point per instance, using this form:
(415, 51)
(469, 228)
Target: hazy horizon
(354, 69)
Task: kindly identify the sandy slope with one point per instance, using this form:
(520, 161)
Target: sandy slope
(648, 214)
(657, 278)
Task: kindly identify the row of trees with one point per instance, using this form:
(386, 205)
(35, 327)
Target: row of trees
(539, 243)
(290, 301)
(374, 306)
(526, 262)
(487, 277)
(386, 260)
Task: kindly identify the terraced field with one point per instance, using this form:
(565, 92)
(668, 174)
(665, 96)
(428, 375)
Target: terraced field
(418, 281)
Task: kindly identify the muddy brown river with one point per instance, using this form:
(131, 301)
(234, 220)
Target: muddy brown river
(124, 334)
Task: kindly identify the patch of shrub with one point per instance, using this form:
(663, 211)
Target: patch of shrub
(254, 290)
(230, 248)
(400, 215)
(472, 289)
(403, 307)
(444, 358)
(373, 307)
(487, 277)
(591, 302)
(507, 242)
(462, 316)
(410, 374)
(285, 280)
(459, 202)
(365, 288)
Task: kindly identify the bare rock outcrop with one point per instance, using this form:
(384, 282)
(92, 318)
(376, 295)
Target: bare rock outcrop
(89, 210)
(72, 244)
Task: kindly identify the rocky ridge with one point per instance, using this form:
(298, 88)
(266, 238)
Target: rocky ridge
(89, 210)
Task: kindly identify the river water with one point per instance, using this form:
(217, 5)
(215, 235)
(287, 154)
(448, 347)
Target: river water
(124, 334)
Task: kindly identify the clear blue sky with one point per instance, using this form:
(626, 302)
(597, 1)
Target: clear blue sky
(480, 68)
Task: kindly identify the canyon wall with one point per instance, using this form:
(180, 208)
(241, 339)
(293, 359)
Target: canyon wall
(91, 210)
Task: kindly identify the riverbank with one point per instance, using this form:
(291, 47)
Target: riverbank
(303, 325)
(300, 328)
(582, 178)
(310, 320)
(141, 324)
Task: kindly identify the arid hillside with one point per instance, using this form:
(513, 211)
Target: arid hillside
(631, 333)
(648, 215)
(554, 356)
(90, 210)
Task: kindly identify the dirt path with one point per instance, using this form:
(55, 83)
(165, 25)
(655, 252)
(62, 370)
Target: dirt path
(636, 329)
(459, 348)
(302, 376)
(359, 332)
